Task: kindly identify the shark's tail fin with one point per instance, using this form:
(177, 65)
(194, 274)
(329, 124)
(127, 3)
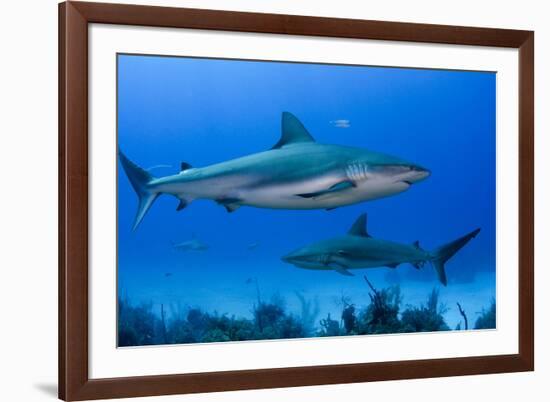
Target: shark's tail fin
(139, 178)
(442, 254)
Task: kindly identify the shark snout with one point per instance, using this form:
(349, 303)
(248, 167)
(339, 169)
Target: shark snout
(299, 258)
(419, 173)
(307, 257)
(290, 257)
(412, 174)
(402, 172)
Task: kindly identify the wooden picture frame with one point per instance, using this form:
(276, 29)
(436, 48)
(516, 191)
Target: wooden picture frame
(74, 381)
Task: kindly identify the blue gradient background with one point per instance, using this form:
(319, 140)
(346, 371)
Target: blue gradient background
(204, 111)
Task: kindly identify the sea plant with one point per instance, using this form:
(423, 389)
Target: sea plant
(488, 317)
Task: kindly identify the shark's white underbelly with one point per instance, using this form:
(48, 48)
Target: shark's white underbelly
(373, 263)
(251, 191)
(288, 196)
(365, 264)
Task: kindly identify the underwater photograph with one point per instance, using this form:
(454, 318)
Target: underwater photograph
(264, 200)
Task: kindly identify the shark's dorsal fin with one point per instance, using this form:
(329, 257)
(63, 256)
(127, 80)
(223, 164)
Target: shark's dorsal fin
(359, 228)
(292, 131)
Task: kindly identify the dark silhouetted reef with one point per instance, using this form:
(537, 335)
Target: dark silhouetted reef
(488, 317)
(383, 313)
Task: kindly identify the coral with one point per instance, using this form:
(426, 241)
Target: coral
(272, 322)
(329, 327)
(381, 316)
(349, 319)
(309, 312)
(143, 325)
(488, 317)
(136, 324)
(464, 316)
(425, 318)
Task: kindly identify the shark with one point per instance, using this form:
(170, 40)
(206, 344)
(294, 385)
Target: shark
(253, 246)
(296, 173)
(193, 244)
(358, 249)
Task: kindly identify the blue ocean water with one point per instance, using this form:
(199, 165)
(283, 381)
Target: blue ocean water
(202, 111)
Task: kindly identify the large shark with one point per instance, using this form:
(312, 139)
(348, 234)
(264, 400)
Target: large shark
(296, 173)
(357, 249)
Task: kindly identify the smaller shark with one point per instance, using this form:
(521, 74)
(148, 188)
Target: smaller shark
(357, 249)
(190, 245)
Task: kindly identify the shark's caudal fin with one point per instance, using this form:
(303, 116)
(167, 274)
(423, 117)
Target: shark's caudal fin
(139, 178)
(442, 254)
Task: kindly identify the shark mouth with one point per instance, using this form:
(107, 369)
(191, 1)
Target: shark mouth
(308, 264)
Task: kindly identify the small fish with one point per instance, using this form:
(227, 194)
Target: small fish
(253, 246)
(168, 274)
(158, 167)
(341, 123)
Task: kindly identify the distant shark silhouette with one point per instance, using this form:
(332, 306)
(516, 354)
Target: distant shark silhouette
(296, 173)
(193, 244)
(357, 249)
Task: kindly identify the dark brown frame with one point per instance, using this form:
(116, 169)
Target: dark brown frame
(74, 17)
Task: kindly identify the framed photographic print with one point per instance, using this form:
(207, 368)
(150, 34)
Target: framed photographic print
(259, 200)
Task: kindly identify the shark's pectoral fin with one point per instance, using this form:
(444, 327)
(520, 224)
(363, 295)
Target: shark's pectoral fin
(342, 270)
(418, 265)
(230, 204)
(309, 195)
(344, 185)
(184, 201)
(231, 207)
(181, 205)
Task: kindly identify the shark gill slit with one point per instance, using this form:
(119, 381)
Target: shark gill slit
(356, 171)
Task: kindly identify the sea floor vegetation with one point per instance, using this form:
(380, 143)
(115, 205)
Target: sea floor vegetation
(383, 313)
